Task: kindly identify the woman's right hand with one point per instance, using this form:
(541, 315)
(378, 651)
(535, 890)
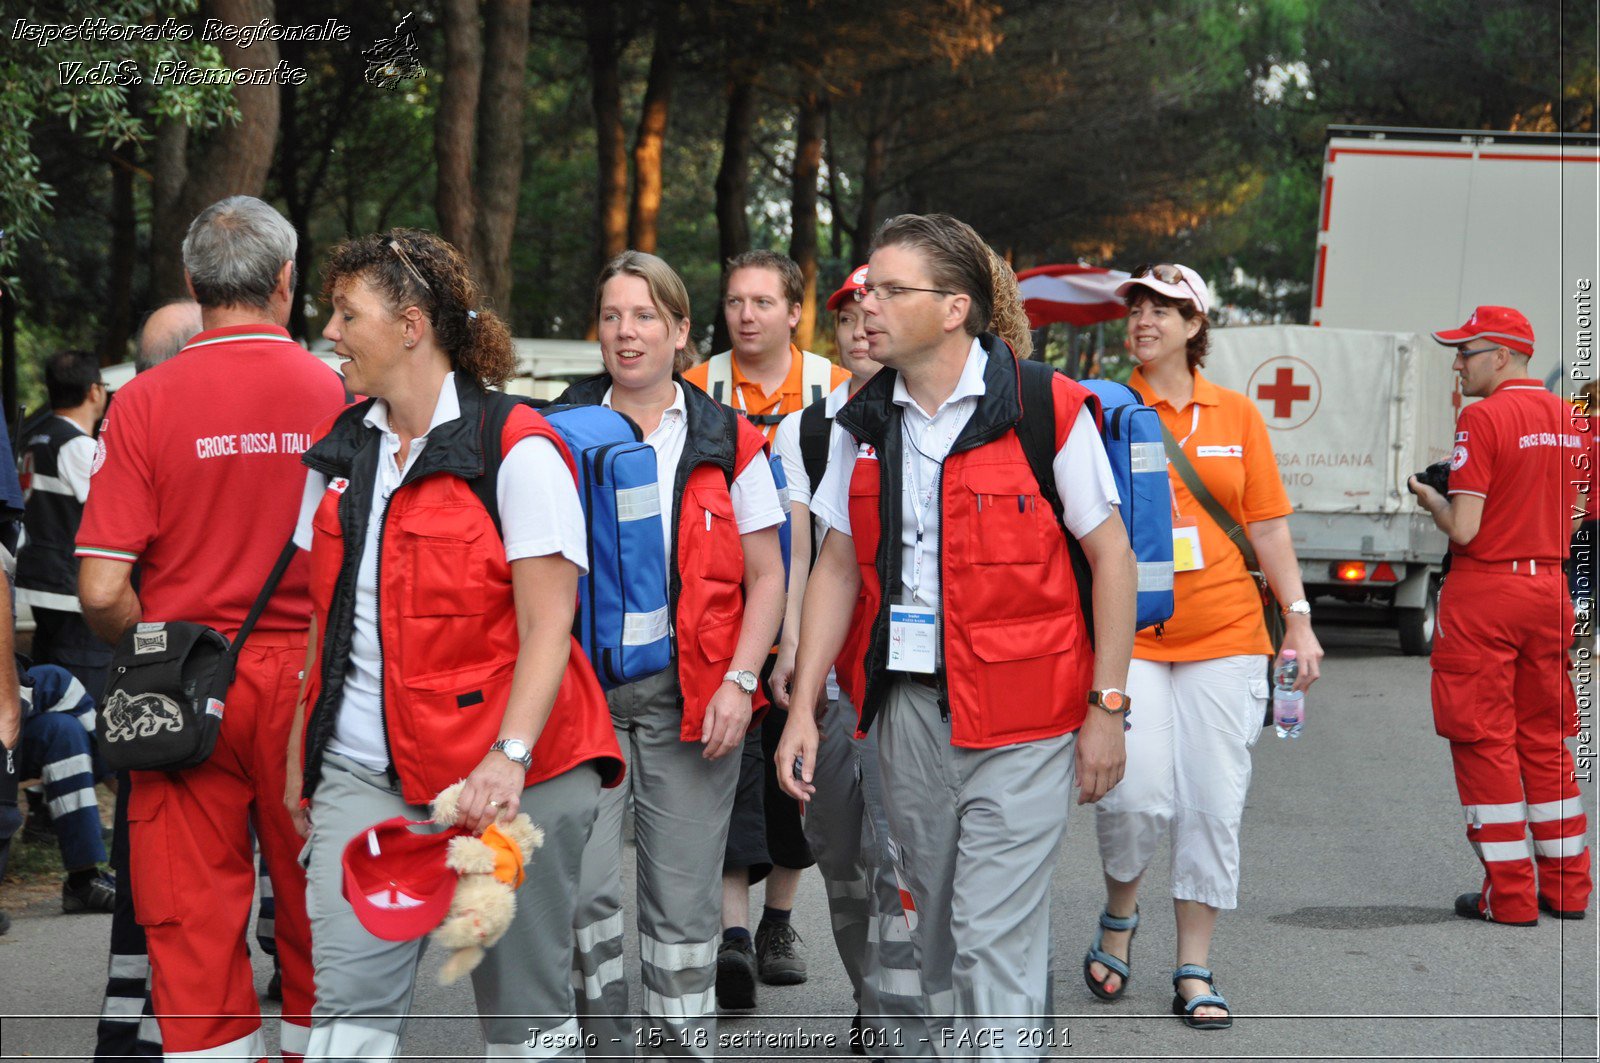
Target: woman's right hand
(299, 812)
(799, 740)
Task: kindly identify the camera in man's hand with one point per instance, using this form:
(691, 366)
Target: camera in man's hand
(1437, 476)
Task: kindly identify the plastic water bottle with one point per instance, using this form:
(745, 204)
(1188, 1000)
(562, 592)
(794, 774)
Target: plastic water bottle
(1288, 704)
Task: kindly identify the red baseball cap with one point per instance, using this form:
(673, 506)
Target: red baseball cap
(1502, 324)
(396, 879)
(853, 283)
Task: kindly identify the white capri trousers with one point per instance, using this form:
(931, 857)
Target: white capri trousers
(1188, 770)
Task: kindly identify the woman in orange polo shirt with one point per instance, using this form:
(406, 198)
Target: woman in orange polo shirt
(1199, 688)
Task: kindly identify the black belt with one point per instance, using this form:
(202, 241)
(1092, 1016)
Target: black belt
(933, 681)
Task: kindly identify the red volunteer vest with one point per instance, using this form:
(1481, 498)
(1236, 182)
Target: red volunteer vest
(448, 626)
(1017, 661)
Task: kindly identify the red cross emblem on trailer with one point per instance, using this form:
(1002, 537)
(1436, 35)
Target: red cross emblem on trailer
(1286, 390)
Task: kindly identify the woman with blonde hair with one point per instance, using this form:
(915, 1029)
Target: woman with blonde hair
(720, 514)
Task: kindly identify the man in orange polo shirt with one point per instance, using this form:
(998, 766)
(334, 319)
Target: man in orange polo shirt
(766, 377)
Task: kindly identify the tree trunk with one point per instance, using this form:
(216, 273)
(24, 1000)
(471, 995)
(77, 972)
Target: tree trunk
(835, 192)
(169, 165)
(733, 180)
(803, 210)
(235, 159)
(611, 199)
(505, 30)
(652, 132)
(119, 323)
(456, 123)
(872, 170)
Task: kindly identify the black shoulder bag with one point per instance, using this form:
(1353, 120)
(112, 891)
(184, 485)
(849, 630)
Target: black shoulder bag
(1270, 611)
(163, 705)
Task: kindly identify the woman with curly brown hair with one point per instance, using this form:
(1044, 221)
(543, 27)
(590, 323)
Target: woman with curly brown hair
(441, 644)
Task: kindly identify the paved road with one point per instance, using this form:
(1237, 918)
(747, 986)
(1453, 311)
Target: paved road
(1344, 945)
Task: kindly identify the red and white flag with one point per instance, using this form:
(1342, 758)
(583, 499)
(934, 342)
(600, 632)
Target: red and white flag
(1077, 295)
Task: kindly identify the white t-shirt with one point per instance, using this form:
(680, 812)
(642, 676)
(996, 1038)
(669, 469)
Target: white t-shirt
(75, 461)
(540, 515)
(1082, 472)
(754, 493)
(787, 444)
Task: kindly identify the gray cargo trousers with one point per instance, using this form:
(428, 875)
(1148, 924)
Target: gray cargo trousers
(975, 834)
(364, 984)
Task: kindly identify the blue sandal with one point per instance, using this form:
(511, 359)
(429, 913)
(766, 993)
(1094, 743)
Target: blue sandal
(1096, 954)
(1186, 1008)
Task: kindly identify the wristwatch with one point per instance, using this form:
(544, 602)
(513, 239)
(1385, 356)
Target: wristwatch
(1299, 607)
(516, 750)
(746, 680)
(1111, 699)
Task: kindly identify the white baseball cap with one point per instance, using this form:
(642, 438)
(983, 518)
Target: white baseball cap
(1171, 280)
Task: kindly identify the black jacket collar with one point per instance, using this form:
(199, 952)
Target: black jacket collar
(870, 413)
(455, 447)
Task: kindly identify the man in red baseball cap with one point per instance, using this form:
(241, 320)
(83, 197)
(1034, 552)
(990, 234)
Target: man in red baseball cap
(1501, 695)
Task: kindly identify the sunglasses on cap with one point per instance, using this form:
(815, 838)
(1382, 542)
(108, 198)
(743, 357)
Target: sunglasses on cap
(1167, 273)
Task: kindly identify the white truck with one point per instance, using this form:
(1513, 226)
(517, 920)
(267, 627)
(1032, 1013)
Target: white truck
(1352, 413)
(1418, 226)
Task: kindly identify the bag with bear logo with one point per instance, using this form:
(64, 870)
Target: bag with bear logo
(163, 704)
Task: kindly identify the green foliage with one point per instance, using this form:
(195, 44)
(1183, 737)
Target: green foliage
(91, 86)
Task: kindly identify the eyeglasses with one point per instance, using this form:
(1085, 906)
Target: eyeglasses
(1462, 352)
(406, 261)
(884, 292)
(1167, 273)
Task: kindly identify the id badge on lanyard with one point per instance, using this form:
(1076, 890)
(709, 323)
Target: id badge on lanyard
(914, 629)
(1186, 553)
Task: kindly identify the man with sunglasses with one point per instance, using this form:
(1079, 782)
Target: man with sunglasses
(1501, 694)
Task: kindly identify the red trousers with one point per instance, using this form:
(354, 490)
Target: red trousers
(1502, 697)
(194, 874)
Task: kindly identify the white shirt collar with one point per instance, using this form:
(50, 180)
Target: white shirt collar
(969, 386)
(678, 406)
(446, 408)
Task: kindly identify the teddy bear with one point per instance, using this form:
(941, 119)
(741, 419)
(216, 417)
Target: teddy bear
(490, 867)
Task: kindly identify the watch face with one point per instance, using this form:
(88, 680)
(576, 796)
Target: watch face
(515, 749)
(1113, 700)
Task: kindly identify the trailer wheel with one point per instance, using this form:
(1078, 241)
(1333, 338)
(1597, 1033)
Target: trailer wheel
(1416, 625)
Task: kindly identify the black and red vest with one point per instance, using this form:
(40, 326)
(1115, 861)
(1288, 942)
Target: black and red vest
(447, 619)
(1016, 661)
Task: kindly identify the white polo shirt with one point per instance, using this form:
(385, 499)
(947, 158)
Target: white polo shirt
(1082, 473)
(540, 515)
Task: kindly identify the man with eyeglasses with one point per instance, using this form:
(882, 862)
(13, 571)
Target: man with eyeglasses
(946, 578)
(1501, 694)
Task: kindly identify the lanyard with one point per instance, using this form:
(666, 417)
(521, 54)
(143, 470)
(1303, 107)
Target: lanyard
(1194, 423)
(920, 504)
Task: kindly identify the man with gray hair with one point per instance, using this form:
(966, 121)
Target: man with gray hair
(165, 331)
(197, 479)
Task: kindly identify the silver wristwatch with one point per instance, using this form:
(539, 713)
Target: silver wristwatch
(515, 750)
(1299, 607)
(745, 679)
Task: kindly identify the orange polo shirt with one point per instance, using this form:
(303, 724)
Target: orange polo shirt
(1217, 608)
(749, 397)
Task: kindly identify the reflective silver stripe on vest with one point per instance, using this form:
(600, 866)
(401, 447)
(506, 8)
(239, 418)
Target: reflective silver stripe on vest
(641, 629)
(1155, 576)
(637, 503)
(1147, 457)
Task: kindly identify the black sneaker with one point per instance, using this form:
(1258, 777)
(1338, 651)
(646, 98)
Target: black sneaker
(99, 894)
(275, 983)
(736, 975)
(5, 922)
(777, 957)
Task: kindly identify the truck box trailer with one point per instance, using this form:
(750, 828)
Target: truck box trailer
(1353, 413)
(1419, 226)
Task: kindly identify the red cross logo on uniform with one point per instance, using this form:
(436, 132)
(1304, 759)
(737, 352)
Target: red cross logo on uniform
(1283, 392)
